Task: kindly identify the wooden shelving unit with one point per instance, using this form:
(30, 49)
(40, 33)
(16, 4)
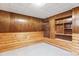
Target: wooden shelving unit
(64, 30)
(63, 27)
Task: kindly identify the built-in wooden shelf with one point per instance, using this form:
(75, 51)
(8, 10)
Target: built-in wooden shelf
(63, 40)
(63, 28)
(59, 23)
(68, 22)
(63, 34)
(68, 28)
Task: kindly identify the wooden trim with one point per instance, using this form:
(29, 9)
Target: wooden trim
(61, 15)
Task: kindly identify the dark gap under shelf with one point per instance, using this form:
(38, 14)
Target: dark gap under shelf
(64, 37)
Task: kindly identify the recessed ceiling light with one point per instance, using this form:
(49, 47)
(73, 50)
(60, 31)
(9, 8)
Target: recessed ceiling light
(39, 4)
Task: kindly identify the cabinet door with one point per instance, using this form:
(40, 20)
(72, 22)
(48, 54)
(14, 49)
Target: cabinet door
(4, 21)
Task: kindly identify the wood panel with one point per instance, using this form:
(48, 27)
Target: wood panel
(13, 40)
(46, 29)
(37, 24)
(66, 45)
(52, 27)
(76, 20)
(20, 23)
(75, 37)
(12, 22)
(4, 21)
(62, 15)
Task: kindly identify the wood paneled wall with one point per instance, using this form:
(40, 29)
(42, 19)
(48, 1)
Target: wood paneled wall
(52, 27)
(9, 41)
(18, 30)
(11, 22)
(46, 29)
(4, 21)
(75, 34)
(72, 46)
(53, 40)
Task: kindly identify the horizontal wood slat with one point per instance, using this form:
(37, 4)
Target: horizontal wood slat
(10, 40)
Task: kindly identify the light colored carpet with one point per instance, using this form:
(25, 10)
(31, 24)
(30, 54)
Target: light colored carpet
(39, 49)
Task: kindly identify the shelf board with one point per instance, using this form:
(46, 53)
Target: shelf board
(67, 22)
(59, 23)
(64, 34)
(63, 40)
(63, 23)
(68, 28)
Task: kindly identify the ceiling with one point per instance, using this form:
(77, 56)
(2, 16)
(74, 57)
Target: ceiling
(40, 11)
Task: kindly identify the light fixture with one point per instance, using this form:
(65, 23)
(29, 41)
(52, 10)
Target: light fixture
(39, 4)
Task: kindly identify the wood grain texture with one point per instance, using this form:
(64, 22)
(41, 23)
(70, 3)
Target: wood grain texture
(12, 22)
(76, 20)
(62, 15)
(27, 24)
(46, 29)
(13, 40)
(59, 43)
(75, 34)
(72, 46)
(18, 30)
(14, 34)
(4, 21)
(52, 27)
